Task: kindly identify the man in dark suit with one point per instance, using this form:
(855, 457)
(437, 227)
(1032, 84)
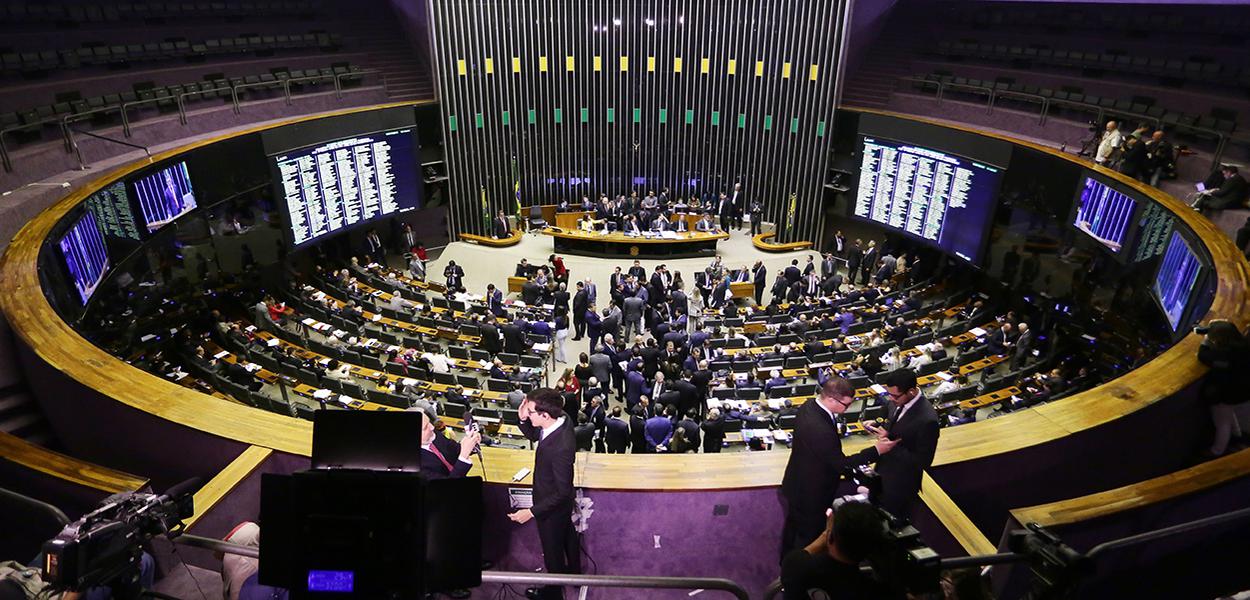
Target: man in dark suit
(543, 421)
(638, 431)
(869, 264)
(854, 256)
(580, 303)
(792, 272)
(442, 458)
(617, 432)
(998, 342)
(713, 432)
(1230, 194)
(514, 338)
(914, 424)
(738, 200)
(501, 226)
(816, 463)
(454, 274)
(490, 336)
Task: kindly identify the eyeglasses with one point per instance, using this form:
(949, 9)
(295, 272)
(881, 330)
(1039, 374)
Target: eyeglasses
(895, 396)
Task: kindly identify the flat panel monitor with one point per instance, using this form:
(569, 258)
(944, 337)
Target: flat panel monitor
(113, 212)
(337, 185)
(86, 256)
(1176, 279)
(361, 439)
(164, 195)
(938, 198)
(1105, 214)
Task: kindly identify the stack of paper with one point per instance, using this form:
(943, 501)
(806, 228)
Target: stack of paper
(272, 342)
(977, 331)
(321, 394)
(221, 355)
(877, 388)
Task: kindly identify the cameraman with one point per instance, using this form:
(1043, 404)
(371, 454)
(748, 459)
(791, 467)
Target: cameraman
(1227, 353)
(830, 563)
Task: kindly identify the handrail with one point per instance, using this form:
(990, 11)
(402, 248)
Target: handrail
(53, 511)
(123, 109)
(1101, 111)
(534, 579)
(82, 165)
(617, 581)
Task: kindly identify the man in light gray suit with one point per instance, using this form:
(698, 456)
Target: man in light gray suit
(601, 367)
(632, 313)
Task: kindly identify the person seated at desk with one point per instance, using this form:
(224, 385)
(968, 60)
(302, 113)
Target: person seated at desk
(706, 224)
(587, 205)
(631, 226)
(660, 224)
(524, 269)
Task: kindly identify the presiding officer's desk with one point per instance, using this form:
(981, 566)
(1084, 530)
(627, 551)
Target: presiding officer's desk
(600, 243)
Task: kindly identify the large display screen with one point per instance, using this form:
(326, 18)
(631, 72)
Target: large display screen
(86, 256)
(942, 199)
(1105, 214)
(112, 210)
(334, 186)
(164, 195)
(1175, 281)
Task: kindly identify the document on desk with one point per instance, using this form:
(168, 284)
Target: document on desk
(321, 394)
(221, 355)
(977, 331)
(877, 388)
(377, 318)
(541, 347)
(775, 403)
(669, 235)
(944, 375)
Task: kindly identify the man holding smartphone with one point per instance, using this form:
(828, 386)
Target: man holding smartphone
(543, 421)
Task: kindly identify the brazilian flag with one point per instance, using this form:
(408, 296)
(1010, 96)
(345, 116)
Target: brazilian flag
(485, 212)
(516, 191)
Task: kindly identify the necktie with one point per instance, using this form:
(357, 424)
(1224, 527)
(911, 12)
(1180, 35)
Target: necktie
(434, 450)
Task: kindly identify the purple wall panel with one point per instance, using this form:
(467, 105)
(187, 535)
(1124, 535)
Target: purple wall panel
(98, 429)
(1150, 442)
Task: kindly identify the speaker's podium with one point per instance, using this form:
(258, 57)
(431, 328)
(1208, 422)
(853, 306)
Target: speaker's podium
(646, 244)
(364, 522)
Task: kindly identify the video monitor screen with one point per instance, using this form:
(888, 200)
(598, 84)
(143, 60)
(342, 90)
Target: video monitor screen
(337, 185)
(1175, 281)
(86, 256)
(1104, 214)
(113, 212)
(164, 195)
(942, 199)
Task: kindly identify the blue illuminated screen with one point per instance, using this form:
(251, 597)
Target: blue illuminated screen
(1175, 281)
(1104, 214)
(331, 581)
(86, 256)
(164, 195)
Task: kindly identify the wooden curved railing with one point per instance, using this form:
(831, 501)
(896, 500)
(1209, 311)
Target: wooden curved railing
(57, 344)
(511, 240)
(67, 468)
(761, 242)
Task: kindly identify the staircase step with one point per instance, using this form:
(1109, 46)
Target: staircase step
(19, 424)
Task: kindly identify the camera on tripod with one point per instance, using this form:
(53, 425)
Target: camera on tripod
(104, 547)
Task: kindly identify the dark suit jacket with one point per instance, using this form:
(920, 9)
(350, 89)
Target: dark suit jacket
(501, 227)
(713, 434)
(816, 463)
(553, 469)
(490, 338)
(513, 339)
(617, 435)
(901, 468)
(433, 468)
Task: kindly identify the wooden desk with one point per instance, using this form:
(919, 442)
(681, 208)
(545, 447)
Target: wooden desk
(515, 283)
(690, 243)
(568, 220)
(742, 289)
(761, 242)
(513, 239)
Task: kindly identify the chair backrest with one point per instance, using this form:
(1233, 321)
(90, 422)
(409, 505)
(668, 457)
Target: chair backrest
(787, 421)
(781, 391)
(536, 212)
(498, 385)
